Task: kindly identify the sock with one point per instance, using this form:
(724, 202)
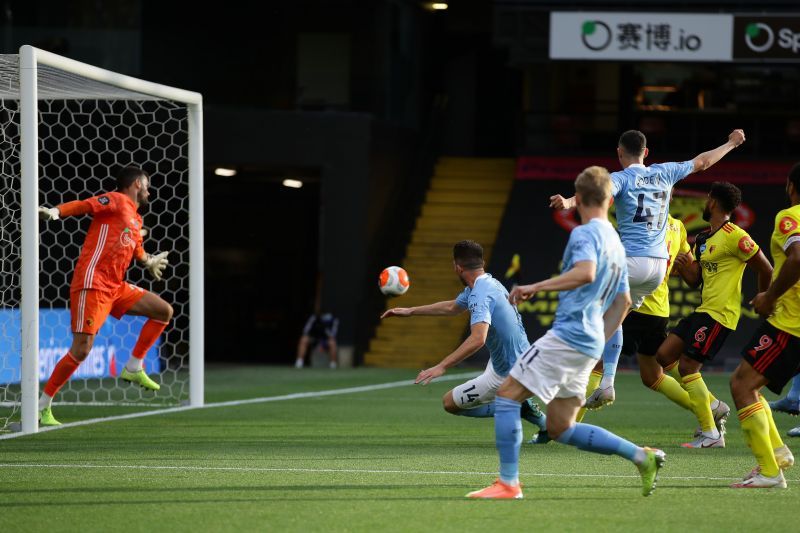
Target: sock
(508, 438)
(670, 388)
(485, 410)
(794, 392)
(755, 427)
(610, 358)
(774, 437)
(45, 401)
(698, 397)
(594, 382)
(150, 333)
(65, 367)
(598, 440)
(672, 370)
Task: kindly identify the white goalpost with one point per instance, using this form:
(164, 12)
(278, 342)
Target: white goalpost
(66, 128)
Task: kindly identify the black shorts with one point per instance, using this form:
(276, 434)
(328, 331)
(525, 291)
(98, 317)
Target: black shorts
(643, 333)
(702, 335)
(774, 354)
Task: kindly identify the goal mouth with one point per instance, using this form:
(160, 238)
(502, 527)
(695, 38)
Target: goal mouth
(67, 129)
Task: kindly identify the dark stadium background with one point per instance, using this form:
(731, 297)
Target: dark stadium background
(357, 98)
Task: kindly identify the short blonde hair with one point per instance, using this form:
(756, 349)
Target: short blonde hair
(594, 186)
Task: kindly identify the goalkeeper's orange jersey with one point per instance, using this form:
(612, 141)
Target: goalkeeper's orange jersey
(113, 239)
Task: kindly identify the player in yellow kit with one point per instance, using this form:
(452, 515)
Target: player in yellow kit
(647, 329)
(721, 253)
(772, 357)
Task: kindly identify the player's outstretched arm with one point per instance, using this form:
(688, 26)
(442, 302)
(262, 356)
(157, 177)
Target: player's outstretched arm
(581, 273)
(763, 269)
(616, 312)
(155, 264)
(49, 213)
(473, 343)
(764, 302)
(707, 159)
(448, 308)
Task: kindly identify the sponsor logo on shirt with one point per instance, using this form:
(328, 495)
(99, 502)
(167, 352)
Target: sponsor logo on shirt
(746, 245)
(125, 238)
(787, 224)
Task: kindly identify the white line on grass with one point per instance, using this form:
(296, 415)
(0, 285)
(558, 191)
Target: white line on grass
(232, 403)
(343, 471)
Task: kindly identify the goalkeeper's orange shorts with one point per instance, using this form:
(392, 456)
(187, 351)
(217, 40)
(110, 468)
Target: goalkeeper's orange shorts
(89, 308)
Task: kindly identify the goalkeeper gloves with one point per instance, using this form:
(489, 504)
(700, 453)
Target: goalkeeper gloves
(49, 213)
(156, 264)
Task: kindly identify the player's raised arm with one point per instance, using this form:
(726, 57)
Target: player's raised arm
(707, 159)
(477, 338)
(448, 308)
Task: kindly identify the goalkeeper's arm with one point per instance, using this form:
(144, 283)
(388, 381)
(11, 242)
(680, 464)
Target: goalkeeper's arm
(155, 264)
(68, 209)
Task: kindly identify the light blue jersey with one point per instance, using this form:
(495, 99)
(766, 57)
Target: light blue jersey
(487, 301)
(579, 317)
(641, 195)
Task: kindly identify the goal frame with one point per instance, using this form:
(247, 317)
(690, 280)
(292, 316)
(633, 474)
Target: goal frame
(29, 60)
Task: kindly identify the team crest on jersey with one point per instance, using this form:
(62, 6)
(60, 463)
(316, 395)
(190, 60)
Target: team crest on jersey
(125, 238)
(787, 224)
(104, 200)
(746, 245)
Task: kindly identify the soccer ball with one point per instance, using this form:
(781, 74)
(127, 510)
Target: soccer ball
(393, 281)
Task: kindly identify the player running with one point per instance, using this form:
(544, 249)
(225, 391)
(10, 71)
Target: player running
(772, 356)
(98, 283)
(493, 322)
(593, 300)
(641, 195)
(721, 254)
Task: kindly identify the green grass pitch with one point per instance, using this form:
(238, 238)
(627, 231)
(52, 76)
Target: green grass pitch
(388, 459)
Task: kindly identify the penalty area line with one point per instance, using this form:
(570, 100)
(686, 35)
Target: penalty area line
(255, 469)
(233, 403)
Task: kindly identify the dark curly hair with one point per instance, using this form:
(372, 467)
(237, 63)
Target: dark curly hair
(727, 194)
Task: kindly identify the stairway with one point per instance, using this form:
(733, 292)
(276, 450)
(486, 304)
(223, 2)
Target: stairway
(466, 200)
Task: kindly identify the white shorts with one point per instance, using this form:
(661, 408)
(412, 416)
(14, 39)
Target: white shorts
(478, 390)
(645, 274)
(551, 368)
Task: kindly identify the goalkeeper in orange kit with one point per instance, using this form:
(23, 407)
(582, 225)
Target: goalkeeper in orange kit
(98, 286)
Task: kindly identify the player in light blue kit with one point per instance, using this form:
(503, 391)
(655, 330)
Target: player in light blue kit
(493, 322)
(593, 300)
(641, 195)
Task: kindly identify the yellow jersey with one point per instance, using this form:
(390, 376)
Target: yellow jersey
(722, 257)
(657, 303)
(787, 308)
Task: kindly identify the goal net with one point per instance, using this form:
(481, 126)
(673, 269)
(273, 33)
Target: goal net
(83, 125)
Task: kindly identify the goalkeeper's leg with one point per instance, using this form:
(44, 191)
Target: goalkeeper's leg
(66, 366)
(137, 302)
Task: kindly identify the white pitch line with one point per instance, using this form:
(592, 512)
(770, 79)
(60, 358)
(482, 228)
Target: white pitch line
(232, 403)
(346, 471)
